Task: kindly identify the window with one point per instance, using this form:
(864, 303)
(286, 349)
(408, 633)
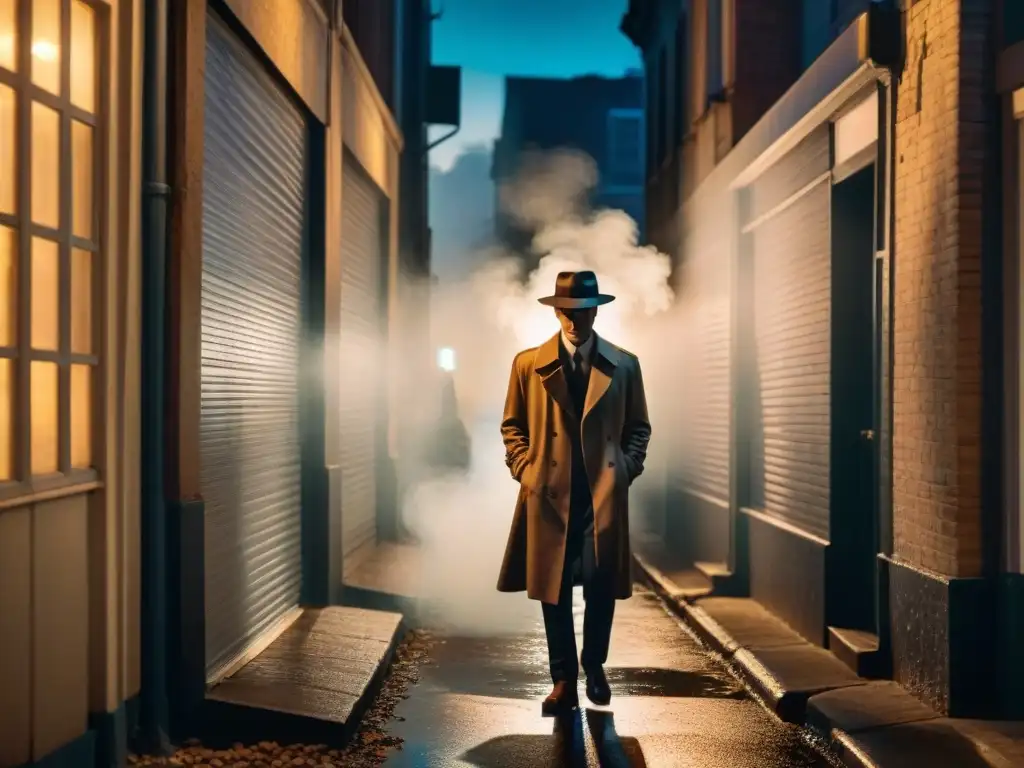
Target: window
(682, 116)
(663, 117)
(49, 239)
(714, 49)
(625, 147)
(651, 105)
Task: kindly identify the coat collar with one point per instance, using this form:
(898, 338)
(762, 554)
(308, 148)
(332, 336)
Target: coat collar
(547, 353)
(549, 365)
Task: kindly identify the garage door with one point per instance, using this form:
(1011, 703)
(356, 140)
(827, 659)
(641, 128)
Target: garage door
(253, 194)
(792, 312)
(361, 339)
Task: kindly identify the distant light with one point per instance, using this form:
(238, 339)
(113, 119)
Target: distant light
(446, 359)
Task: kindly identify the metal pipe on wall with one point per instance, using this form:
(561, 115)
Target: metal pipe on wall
(154, 708)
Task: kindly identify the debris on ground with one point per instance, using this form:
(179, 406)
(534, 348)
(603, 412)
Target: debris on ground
(369, 746)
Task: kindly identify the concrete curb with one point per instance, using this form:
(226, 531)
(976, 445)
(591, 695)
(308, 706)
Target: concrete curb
(788, 708)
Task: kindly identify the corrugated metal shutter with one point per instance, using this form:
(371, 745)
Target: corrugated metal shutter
(792, 321)
(360, 337)
(253, 200)
(706, 385)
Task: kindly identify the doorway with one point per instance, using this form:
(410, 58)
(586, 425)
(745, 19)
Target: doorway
(853, 548)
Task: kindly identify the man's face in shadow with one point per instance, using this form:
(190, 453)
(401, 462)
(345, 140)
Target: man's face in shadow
(577, 324)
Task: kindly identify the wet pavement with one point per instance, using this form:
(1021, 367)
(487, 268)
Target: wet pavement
(477, 703)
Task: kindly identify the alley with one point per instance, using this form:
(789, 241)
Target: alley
(477, 703)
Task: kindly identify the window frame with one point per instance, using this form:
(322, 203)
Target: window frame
(25, 487)
(618, 115)
(1012, 549)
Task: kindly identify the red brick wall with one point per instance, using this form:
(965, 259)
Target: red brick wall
(767, 58)
(937, 312)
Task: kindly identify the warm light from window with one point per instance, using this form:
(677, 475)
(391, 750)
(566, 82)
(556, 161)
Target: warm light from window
(7, 51)
(44, 50)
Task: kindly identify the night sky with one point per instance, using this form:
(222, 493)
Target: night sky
(549, 38)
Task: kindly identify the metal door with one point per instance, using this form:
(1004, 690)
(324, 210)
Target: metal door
(789, 208)
(253, 231)
(361, 338)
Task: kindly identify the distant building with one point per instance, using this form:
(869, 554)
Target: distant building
(598, 115)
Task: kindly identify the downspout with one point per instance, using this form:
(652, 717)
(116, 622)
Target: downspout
(154, 710)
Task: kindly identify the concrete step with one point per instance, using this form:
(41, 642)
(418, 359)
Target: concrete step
(721, 578)
(311, 685)
(858, 650)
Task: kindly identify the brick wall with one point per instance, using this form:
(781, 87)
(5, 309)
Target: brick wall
(767, 58)
(937, 311)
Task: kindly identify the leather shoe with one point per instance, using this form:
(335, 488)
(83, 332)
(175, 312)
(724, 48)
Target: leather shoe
(563, 698)
(598, 690)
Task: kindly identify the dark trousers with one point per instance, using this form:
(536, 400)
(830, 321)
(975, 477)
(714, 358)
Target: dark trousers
(597, 617)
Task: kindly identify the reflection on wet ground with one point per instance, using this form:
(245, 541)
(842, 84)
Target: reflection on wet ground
(478, 704)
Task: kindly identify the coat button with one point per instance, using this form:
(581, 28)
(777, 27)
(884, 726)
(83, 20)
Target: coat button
(554, 463)
(554, 434)
(611, 465)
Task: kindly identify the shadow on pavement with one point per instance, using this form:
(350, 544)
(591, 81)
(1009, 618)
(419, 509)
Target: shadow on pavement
(564, 748)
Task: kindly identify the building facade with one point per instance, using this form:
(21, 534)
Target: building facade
(602, 117)
(284, 313)
(199, 307)
(70, 186)
(835, 214)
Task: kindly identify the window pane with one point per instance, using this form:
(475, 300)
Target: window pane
(8, 289)
(81, 171)
(8, 165)
(46, 44)
(81, 416)
(45, 166)
(6, 420)
(83, 56)
(45, 294)
(44, 389)
(8, 22)
(81, 301)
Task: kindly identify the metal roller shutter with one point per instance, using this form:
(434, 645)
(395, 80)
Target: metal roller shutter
(253, 201)
(360, 337)
(792, 321)
(708, 370)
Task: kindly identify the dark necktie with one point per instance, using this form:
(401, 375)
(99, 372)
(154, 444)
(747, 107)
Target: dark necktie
(579, 381)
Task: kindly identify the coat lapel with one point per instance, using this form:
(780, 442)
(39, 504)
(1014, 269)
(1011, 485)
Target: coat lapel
(552, 377)
(606, 357)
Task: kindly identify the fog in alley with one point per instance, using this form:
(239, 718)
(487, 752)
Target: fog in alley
(485, 310)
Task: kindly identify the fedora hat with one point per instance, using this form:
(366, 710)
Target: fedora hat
(576, 290)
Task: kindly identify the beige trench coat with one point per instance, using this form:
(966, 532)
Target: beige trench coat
(538, 416)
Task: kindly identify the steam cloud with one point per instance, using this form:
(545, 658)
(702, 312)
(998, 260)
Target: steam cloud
(487, 317)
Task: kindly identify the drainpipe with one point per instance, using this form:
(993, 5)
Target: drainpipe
(154, 717)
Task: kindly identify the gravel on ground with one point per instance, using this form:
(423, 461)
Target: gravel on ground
(369, 746)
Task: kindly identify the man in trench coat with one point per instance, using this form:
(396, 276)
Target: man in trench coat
(576, 430)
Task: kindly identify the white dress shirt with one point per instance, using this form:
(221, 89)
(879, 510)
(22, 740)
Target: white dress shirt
(585, 349)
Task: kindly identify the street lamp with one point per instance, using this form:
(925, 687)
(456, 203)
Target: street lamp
(446, 359)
